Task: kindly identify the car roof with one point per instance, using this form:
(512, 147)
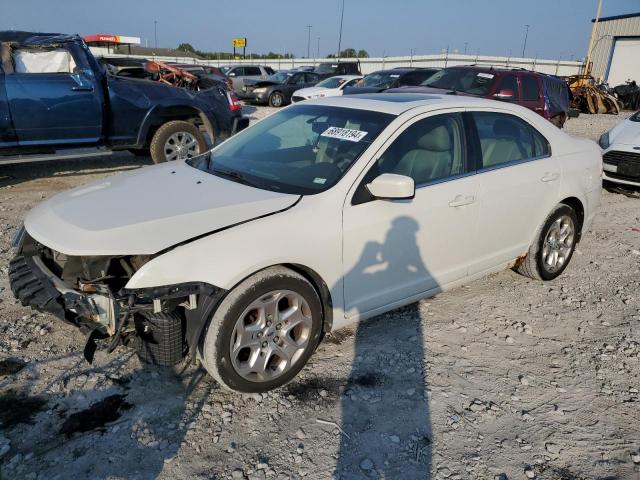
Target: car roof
(397, 70)
(492, 69)
(398, 103)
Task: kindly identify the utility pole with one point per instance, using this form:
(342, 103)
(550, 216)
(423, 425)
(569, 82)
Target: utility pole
(593, 36)
(340, 37)
(526, 34)
(308, 40)
(318, 50)
(155, 32)
(465, 47)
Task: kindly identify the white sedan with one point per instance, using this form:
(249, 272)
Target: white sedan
(320, 215)
(621, 155)
(330, 87)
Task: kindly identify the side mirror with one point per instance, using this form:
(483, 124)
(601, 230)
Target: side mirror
(504, 95)
(392, 187)
(231, 74)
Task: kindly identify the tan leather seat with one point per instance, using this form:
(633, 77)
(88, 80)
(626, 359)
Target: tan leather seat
(505, 146)
(431, 158)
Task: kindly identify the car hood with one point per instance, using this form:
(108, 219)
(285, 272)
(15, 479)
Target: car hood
(146, 211)
(260, 83)
(626, 133)
(305, 92)
(357, 90)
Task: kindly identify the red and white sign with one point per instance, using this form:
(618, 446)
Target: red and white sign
(107, 38)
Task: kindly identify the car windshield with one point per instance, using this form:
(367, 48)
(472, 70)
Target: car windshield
(326, 68)
(379, 79)
(279, 77)
(302, 150)
(333, 82)
(467, 80)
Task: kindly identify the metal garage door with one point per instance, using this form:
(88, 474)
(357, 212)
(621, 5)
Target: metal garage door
(625, 61)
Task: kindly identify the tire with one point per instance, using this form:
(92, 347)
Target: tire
(281, 288)
(140, 152)
(168, 133)
(159, 338)
(276, 100)
(534, 264)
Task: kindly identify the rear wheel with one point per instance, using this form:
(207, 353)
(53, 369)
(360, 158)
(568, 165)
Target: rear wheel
(263, 332)
(177, 140)
(554, 245)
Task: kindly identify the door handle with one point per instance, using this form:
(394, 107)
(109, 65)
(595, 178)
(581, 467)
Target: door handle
(550, 177)
(82, 88)
(461, 200)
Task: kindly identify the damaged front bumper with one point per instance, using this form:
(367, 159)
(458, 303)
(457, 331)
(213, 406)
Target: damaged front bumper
(100, 313)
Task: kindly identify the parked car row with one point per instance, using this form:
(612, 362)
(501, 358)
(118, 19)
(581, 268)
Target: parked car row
(621, 152)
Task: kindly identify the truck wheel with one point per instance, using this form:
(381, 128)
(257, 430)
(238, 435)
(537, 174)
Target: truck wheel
(263, 332)
(553, 246)
(276, 99)
(159, 338)
(177, 140)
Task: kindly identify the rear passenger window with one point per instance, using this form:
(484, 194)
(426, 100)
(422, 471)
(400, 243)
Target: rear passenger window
(269, 70)
(529, 88)
(506, 138)
(252, 71)
(509, 82)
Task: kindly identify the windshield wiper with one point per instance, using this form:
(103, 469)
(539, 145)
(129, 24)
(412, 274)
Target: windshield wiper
(237, 176)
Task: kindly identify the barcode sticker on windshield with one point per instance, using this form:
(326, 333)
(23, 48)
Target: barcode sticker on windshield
(344, 134)
(485, 75)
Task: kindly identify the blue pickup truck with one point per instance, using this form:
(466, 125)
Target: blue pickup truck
(58, 101)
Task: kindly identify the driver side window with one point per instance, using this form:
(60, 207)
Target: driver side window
(431, 149)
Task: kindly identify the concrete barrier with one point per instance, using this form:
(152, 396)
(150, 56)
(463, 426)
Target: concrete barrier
(368, 65)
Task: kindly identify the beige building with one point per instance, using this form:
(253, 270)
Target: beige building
(616, 51)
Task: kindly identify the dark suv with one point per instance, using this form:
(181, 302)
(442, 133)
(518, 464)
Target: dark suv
(330, 69)
(382, 80)
(546, 95)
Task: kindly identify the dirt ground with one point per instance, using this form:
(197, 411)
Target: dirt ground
(504, 378)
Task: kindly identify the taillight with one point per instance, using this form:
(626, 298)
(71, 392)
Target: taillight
(234, 103)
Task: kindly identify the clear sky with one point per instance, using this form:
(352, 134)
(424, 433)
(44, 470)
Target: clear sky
(558, 28)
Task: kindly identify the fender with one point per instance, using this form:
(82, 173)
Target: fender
(161, 113)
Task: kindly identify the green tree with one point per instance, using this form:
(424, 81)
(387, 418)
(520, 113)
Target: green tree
(186, 47)
(363, 54)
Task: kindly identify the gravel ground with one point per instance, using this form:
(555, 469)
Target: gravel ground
(503, 378)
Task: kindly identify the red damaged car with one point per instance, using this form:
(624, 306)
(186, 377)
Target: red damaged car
(546, 95)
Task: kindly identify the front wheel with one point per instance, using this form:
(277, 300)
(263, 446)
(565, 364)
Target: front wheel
(177, 140)
(276, 99)
(554, 245)
(263, 332)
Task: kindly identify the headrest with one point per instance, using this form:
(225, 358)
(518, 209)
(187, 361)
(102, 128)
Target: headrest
(505, 128)
(437, 140)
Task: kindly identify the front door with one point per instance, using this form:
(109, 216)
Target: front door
(52, 101)
(398, 249)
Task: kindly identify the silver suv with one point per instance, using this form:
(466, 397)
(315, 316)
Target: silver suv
(239, 73)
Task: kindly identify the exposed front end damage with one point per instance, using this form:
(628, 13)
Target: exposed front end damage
(89, 292)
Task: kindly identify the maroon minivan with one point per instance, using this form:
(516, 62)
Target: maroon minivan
(546, 95)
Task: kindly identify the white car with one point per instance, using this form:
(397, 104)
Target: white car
(621, 155)
(320, 215)
(330, 87)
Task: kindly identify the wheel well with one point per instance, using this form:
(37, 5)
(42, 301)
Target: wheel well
(576, 204)
(177, 112)
(323, 292)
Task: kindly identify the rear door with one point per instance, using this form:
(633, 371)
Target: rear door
(54, 97)
(531, 93)
(519, 185)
